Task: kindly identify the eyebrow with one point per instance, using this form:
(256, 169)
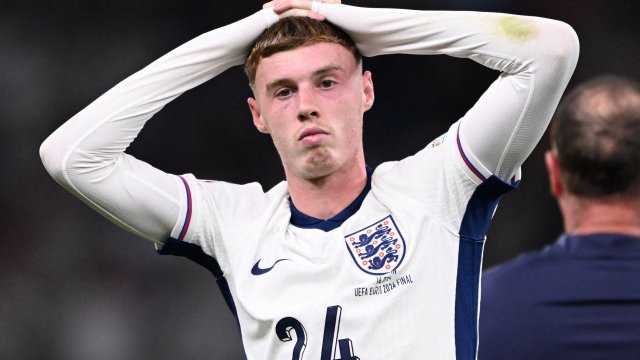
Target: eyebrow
(322, 71)
(327, 69)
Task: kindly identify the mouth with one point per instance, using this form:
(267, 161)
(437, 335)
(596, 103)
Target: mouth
(312, 136)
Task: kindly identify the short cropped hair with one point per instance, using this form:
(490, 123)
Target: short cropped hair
(596, 134)
(293, 32)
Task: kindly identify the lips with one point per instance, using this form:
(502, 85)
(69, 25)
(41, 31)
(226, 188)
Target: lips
(312, 135)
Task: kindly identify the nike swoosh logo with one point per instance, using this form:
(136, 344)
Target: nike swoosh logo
(257, 270)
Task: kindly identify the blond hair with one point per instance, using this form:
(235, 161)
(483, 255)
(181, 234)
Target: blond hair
(293, 32)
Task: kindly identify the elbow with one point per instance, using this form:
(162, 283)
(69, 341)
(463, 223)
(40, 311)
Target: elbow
(564, 47)
(51, 157)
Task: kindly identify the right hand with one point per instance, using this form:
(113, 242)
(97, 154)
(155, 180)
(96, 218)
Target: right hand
(286, 8)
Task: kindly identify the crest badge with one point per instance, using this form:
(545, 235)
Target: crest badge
(377, 249)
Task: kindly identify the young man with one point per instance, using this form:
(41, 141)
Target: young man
(340, 261)
(579, 298)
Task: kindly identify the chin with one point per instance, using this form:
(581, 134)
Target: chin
(319, 164)
(318, 170)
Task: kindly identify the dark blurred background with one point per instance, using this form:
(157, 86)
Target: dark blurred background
(74, 286)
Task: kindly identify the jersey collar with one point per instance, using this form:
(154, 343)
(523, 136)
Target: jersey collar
(302, 220)
(601, 245)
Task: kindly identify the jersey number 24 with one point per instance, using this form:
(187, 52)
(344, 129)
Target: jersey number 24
(330, 340)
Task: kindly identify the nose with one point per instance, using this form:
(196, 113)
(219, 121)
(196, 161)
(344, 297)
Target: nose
(307, 115)
(307, 108)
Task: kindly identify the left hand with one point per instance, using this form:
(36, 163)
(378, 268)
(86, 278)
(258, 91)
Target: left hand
(286, 8)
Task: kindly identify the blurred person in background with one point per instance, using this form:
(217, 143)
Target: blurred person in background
(578, 298)
(340, 258)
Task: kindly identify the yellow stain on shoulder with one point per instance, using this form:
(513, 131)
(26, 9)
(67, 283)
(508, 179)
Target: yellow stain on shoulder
(516, 28)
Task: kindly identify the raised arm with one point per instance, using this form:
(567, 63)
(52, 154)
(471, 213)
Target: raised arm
(536, 58)
(86, 154)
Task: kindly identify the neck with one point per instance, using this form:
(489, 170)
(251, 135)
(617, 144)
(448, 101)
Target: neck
(614, 214)
(325, 197)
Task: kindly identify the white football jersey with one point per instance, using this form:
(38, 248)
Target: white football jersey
(393, 276)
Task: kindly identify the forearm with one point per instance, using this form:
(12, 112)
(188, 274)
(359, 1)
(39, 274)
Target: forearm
(108, 125)
(86, 154)
(536, 57)
(482, 36)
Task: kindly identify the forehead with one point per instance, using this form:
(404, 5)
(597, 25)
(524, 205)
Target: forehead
(304, 61)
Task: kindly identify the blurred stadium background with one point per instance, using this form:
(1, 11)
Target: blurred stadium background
(73, 286)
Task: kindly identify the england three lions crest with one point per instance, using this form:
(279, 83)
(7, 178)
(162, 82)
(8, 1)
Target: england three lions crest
(377, 249)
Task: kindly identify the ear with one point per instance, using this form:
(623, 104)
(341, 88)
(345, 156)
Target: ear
(553, 171)
(254, 107)
(368, 95)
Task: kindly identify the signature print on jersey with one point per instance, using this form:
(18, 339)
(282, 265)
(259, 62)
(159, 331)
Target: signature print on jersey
(378, 248)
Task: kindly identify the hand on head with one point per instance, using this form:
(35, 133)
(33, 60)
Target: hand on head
(286, 8)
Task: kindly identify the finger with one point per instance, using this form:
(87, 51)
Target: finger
(301, 12)
(271, 3)
(305, 4)
(286, 5)
(315, 16)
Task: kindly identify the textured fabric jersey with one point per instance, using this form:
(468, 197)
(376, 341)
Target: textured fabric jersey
(408, 252)
(395, 274)
(576, 299)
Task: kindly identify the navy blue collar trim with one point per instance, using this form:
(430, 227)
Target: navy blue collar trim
(305, 221)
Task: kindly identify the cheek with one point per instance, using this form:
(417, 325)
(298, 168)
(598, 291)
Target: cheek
(273, 114)
(345, 106)
(278, 112)
(351, 128)
(279, 131)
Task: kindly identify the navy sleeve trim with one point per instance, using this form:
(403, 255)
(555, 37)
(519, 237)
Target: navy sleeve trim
(195, 253)
(473, 229)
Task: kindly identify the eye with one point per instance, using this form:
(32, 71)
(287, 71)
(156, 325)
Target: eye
(327, 84)
(284, 92)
